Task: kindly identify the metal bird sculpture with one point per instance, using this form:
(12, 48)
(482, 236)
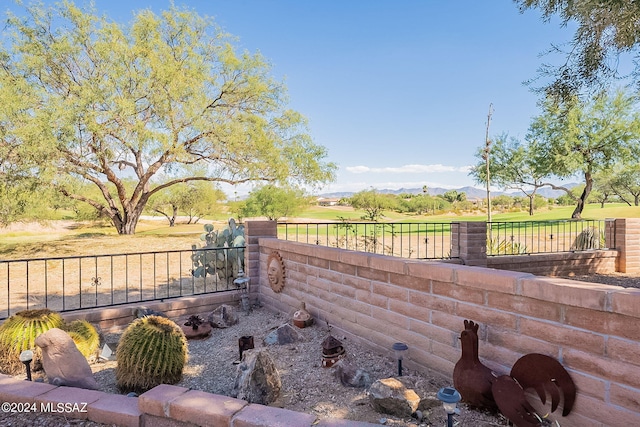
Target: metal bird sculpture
(480, 386)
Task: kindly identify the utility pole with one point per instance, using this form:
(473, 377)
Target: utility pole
(485, 156)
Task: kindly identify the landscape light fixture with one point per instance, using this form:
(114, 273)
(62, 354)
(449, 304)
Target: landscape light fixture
(242, 284)
(400, 349)
(26, 357)
(449, 397)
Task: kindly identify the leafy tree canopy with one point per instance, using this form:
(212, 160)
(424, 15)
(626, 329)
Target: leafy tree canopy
(606, 29)
(586, 137)
(373, 203)
(89, 98)
(192, 199)
(512, 165)
(273, 202)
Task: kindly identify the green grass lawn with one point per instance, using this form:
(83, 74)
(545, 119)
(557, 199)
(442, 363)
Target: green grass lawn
(591, 211)
(42, 239)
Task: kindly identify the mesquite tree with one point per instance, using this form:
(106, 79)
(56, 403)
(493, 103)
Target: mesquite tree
(93, 100)
(585, 138)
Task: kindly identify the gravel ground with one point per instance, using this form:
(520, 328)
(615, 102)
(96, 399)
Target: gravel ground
(307, 387)
(616, 279)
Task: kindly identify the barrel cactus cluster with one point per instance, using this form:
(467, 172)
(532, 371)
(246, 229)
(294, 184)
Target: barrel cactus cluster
(223, 253)
(19, 332)
(152, 351)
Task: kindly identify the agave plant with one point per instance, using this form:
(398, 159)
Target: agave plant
(152, 350)
(505, 247)
(18, 333)
(85, 336)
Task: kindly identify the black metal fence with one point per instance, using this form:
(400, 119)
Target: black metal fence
(433, 240)
(73, 283)
(531, 237)
(408, 240)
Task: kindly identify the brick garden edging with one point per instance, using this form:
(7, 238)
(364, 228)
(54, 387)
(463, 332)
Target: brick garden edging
(162, 406)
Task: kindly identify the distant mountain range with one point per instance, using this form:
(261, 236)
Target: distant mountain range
(471, 192)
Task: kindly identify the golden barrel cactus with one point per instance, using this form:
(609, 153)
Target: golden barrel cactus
(85, 336)
(152, 351)
(18, 333)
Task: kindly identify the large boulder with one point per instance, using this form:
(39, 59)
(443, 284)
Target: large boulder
(390, 396)
(257, 379)
(62, 361)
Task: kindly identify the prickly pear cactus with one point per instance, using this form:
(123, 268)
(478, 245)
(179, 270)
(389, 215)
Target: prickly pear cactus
(224, 254)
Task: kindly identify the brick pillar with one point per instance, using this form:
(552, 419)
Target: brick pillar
(469, 242)
(610, 233)
(627, 243)
(254, 230)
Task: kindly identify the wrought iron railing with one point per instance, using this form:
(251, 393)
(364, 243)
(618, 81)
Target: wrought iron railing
(531, 237)
(434, 240)
(73, 283)
(408, 240)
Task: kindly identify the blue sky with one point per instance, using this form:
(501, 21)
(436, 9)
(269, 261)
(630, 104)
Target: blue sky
(397, 90)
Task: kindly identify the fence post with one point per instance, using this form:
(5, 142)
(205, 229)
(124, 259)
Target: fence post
(471, 239)
(627, 241)
(610, 233)
(254, 230)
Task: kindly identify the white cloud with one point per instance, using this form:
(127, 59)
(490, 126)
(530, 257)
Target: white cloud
(408, 169)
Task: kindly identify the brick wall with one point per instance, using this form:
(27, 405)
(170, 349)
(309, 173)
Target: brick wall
(558, 264)
(116, 318)
(378, 300)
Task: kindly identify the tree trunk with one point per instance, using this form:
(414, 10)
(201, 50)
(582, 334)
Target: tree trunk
(172, 220)
(577, 212)
(531, 204)
(131, 217)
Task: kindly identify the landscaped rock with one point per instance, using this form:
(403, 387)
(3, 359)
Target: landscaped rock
(223, 317)
(390, 396)
(143, 311)
(350, 375)
(62, 361)
(257, 379)
(284, 334)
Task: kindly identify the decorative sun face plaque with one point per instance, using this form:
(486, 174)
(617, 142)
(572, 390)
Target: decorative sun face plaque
(275, 271)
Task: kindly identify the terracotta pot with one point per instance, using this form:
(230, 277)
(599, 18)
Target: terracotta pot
(302, 318)
(203, 331)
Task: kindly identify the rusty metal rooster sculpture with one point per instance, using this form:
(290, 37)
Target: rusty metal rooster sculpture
(480, 386)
